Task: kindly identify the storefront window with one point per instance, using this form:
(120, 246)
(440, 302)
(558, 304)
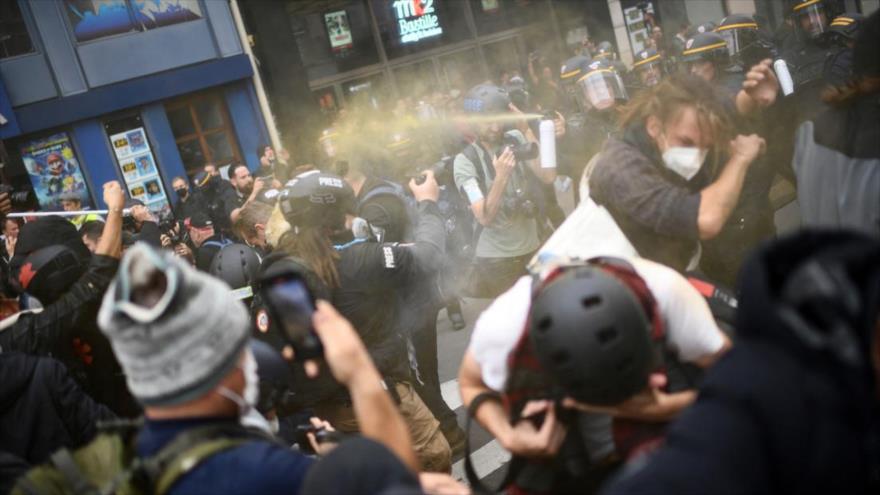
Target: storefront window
(411, 26)
(93, 19)
(462, 70)
(492, 16)
(332, 39)
(369, 91)
(14, 37)
(202, 131)
(416, 80)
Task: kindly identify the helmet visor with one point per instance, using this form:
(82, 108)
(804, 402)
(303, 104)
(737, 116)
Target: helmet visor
(601, 88)
(812, 19)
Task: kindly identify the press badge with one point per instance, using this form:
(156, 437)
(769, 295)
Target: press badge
(472, 191)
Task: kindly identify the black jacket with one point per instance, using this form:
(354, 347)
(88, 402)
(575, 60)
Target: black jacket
(42, 409)
(67, 330)
(779, 414)
(371, 273)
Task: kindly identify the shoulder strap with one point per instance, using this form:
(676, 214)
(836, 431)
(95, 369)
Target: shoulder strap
(516, 463)
(65, 463)
(470, 152)
(188, 460)
(186, 451)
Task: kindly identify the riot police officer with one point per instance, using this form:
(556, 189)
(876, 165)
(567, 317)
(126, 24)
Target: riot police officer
(596, 90)
(605, 51)
(841, 38)
(707, 56)
(648, 69)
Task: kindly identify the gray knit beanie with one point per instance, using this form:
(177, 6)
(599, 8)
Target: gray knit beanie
(176, 332)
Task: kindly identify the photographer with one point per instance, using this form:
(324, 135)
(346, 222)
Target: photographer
(246, 190)
(214, 189)
(365, 280)
(498, 188)
(588, 337)
(142, 223)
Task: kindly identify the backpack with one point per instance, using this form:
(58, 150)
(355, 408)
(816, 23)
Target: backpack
(109, 464)
(388, 188)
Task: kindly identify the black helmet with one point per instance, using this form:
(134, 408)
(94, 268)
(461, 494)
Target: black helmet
(739, 31)
(812, 17)
(574, 68)
(487, 98)
(49, 272)
(709, 47)
(846, 26)
(316, 199)
(605, 50)
(648, 66)
(239, 266)
(591, 334)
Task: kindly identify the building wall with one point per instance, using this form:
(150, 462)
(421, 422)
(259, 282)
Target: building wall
(77, 87)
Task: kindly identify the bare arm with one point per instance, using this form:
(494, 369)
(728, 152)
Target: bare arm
(522, 438)
(718, 200)
(110, 243)
(759, 90)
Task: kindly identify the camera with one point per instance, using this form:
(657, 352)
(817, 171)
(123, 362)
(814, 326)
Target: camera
(321, 435)
(521, 151)
(177, 235)
(519, 204)
(442, 171)
(19, 199)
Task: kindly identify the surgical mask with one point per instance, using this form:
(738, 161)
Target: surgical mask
(684, 161)
(248, 401)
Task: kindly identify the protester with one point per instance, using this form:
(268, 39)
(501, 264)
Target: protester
(53, 265)
(251, 225)
(577, 322)
(214, 191)
(91, 232)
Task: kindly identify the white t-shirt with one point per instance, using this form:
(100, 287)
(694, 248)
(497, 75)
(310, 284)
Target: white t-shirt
(691, 331)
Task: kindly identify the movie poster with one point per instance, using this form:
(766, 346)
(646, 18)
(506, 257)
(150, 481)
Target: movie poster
(338, 30)
(139, 169)
(53, 169)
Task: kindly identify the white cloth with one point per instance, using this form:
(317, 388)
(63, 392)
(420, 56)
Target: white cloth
(691, 330)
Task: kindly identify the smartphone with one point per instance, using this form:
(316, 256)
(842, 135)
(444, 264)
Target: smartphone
(291, 306)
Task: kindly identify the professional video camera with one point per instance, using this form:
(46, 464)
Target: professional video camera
(172, 228)
(19, 199)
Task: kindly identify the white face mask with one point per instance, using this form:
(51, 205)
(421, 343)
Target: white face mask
(685, 162)
(251, 392)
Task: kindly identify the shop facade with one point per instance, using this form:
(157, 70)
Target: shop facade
(135, 91)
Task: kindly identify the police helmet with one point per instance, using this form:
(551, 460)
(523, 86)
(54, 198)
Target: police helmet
(592, 336)
(605, 50)
(706, 47)
(648, 66)
(740, 31)
(846, 26)
(812, 17)
(574, 68)
(49, 272)
(601, 86)
(239, 266)
(316, 199)
(487, 98)
(706, 27)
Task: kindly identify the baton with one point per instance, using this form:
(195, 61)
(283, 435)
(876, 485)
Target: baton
(125, 212)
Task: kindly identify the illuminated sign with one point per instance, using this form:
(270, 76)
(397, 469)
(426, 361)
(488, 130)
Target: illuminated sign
(416, 20)
(338, 30)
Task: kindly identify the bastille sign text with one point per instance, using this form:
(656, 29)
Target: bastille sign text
(416, 20)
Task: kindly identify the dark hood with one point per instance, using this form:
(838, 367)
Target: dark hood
(827, 324)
